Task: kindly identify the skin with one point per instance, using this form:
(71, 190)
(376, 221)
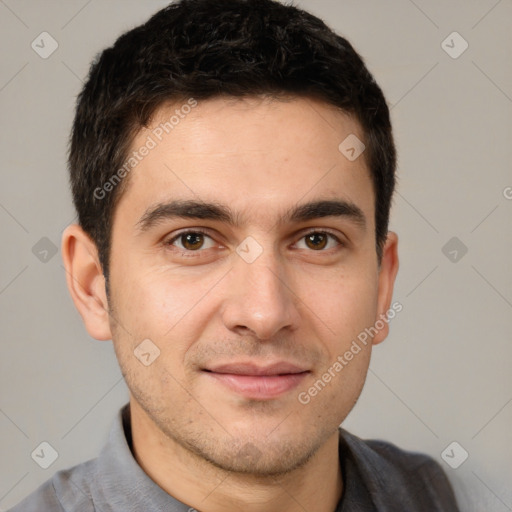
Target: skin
(207, 445)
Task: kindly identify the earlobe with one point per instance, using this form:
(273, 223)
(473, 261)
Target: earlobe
(387, 274)
(85, 280)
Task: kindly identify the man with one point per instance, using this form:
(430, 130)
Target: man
(232, 164)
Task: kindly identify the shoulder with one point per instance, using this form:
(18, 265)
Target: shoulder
(66, 491)
(400, 458)
(394, 475)
(43, 498)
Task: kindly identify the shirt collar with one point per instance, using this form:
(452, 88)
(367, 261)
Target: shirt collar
(122, 481)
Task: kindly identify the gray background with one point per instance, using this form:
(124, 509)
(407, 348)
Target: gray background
(443, 375)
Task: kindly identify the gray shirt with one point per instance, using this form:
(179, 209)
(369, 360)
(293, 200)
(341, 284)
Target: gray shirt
(377, 476)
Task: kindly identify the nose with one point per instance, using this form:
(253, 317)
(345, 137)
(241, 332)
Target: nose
(261, 300)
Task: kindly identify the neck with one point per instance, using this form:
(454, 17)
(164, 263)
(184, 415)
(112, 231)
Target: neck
(317, 485)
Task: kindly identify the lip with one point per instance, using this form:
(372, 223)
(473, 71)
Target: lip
(258, 382)
(250, 368)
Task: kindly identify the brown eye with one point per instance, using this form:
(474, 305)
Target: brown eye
(318, 241)
(192, 241)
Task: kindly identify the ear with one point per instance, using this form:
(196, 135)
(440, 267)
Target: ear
(85, 280)
(387, 274)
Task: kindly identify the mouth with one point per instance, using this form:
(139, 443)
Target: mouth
(258, 382)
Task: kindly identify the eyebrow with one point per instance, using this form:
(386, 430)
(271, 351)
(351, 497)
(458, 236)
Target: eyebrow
(193, 209)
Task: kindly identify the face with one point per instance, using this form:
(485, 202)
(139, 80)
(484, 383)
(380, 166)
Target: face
(244, 250)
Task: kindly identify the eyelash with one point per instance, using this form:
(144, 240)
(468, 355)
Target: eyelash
(191, 253)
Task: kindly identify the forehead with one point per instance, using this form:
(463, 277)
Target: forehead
(253, 154)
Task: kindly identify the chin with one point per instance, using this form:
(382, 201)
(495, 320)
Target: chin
(267, 461)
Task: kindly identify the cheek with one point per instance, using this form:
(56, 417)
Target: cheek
(163, 308)
(151, 321)
(343, 303)
(149, 303)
